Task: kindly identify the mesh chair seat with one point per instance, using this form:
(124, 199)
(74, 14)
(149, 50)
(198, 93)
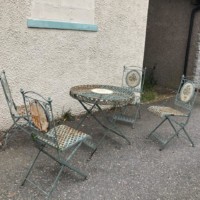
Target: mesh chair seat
(163, 111)
(66, 137)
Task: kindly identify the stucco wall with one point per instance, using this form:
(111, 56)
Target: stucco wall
(166, 40)
(52, 61)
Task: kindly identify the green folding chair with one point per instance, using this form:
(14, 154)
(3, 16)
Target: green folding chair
(133, 78)
(18, 113)
(48, 136)
(178, 119)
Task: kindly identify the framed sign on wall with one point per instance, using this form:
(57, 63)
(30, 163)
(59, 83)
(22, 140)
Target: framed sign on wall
(63, 14)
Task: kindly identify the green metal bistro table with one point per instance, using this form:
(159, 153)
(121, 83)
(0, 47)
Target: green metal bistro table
(94, 96)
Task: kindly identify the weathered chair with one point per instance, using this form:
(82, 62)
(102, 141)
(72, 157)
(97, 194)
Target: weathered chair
(17, 113)
(133, 78)
(177, 118)
(48, 136)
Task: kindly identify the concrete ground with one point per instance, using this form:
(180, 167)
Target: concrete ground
(117, 170)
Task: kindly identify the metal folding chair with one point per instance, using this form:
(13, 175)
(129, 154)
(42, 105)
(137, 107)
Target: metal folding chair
(133, 78)
(18, 113)
(48, 136)
(178, 119)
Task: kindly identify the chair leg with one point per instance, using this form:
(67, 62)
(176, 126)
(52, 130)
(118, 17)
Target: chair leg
(182, 128)
(100, 142)
(176, 133)
(31, 167)
(73, 152)
(71, 167)
(61, 162)
(137, 115)
(163, 146)
(188, 137)
(90, 143)
(75, 169)
(139, 112)
(7, 135)
(156, 127)
(5, 141)
(65, 163)
(58, 176)
(55, 181)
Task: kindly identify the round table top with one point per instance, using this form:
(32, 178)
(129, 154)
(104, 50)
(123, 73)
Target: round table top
(104, 94)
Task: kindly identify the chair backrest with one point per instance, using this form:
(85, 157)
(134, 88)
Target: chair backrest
(186, 94)
(40, 112)
(40, 117)
(133, 78)
(7, 93)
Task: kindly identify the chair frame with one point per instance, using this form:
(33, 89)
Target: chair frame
(122, 116)
(187, 106)
(43, 147)
(19, 121)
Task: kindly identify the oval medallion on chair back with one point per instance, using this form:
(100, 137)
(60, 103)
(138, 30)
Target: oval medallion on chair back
(133, 78)
(187, 92)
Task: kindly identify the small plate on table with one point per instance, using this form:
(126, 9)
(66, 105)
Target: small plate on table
(102, 91)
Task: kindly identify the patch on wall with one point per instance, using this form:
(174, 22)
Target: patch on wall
(63, 14)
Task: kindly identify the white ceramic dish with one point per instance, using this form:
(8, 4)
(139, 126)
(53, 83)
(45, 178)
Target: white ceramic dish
(102, 91)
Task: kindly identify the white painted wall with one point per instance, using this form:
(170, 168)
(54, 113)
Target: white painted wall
(52, 61)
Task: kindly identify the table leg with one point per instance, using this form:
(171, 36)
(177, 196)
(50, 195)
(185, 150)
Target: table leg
(118, 132)
(89, 112)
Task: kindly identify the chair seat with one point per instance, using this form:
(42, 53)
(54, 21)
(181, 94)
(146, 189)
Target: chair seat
(163, 111)
(66, 137)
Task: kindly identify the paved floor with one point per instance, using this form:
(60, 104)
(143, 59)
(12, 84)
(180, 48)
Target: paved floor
(116, 171)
